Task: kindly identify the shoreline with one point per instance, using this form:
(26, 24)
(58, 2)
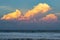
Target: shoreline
(30, 31)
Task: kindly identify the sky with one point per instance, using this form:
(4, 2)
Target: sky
(24, 5)
(27, 12)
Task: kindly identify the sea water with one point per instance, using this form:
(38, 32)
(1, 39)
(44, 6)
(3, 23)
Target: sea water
(19, 35)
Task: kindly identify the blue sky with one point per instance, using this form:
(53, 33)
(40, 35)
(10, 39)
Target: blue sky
(7, 6)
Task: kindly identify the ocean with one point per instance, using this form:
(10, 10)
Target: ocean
(29, 36)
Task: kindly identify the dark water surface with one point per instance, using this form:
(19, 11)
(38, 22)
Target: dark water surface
(29, 36)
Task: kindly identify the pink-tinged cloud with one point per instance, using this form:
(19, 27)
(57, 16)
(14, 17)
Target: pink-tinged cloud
(49, 18)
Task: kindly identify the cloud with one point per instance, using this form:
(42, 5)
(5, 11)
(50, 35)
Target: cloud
(7, 8)
(49, 18)
(32, 19)
(40, 8)
(13, 15)
(58, 14)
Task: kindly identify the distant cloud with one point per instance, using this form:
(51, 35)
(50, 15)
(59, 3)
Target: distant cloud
(58, 14)
(49, 18)
(13, 15)
(39, 9)
(6, 8)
